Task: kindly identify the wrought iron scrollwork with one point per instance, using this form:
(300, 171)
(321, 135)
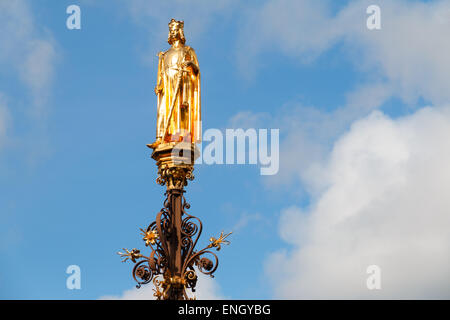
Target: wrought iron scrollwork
(170, 275)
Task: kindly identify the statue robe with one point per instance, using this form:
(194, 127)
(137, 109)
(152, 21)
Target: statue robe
(184, 123)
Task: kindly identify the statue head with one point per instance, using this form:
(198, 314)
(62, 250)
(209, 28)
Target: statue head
(176, 31)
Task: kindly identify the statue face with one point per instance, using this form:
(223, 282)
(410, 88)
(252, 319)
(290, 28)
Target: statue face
(174, 33)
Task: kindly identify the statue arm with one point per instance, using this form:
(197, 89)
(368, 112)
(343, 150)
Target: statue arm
(160, 81)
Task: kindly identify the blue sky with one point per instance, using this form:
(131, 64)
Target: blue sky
(78, 107)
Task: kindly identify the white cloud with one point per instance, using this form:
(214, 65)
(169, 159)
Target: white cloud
(30, 53)
(408, 56)
(384, 201)
(378, 194)
(407, 59)
(36, 70)
(207, 289)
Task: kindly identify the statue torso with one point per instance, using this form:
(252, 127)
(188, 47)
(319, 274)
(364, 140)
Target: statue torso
(173, 58)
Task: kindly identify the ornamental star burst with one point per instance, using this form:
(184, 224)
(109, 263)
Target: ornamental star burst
(216, 243)
(149, 236)
(132, 255)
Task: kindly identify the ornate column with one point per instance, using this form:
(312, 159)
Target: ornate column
(173, 262)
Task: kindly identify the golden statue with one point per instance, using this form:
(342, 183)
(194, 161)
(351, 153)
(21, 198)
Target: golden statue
(178, 91)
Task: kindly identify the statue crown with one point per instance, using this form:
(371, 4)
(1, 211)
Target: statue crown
(179, 24)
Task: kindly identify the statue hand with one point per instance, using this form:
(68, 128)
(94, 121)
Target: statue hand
(187, 64)
(190, 66)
